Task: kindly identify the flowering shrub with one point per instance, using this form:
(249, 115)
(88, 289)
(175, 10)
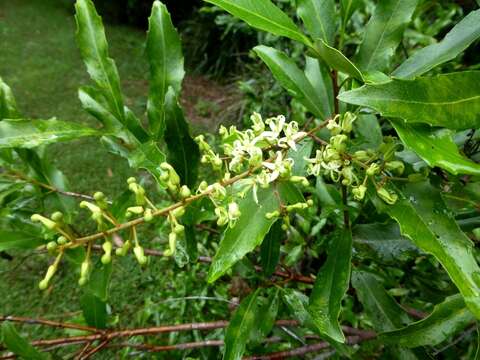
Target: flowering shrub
(376, 190)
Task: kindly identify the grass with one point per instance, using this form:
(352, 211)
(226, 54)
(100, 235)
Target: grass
(39, 59)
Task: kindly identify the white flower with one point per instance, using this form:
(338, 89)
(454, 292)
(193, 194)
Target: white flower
(279, 167)
(276, 127)
(291, 136)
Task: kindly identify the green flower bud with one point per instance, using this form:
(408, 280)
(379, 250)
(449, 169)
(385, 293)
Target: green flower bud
(297, 206)
(361, 155)
(57, 216)
(347, 122)
(300, 179)
(396, 166)
(82, 281)
(140, 255)
(49, 224)
(51, 246)
(131, 180)
(202, 187)
(42, 285)
(284, 227)
(62, 240)
(178, 229)
(273, 214)
(48, 276)
(134, 210)
(310, 202)
(106, 259)
(101, 199)
(178, 212)
(389, 197)
(124, 249)
(338, 142)
(185, 192)
(373, 169)
(148, 215)
(84, 268)
(359, 192)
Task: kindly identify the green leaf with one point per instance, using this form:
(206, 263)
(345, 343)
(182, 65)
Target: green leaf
(447, 319)
(265, 316)
(368, 133)
(183, 152)
(297, 303)
(455, 42)
(318, 74)
(270, 249)
(94, 311)
(435, 147)
(304, 150)
(14, 239)
(94, 50)
(164, 50)
(8, 106)
(449, 100)
(336, 60)
(319, 18)
(18, 345)
(383, 33)
(25, 133)
(382, 310)
(99, 280)
(263, 15)
(382, 242)
(347, 8)
(95, 103)
(424, 219)
(331, 285)
(147, 156)
(250, 229)
(240, 327)
(292, 79)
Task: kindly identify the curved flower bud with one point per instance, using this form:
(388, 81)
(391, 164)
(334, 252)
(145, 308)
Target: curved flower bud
(387, 196)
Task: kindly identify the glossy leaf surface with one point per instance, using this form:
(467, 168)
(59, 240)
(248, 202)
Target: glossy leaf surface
(451, 100)
(435, 147)
(437, 233)
(336, 60)
(331, 285)
(383, 33)
(27, 134)
(292, 79)
(456, 41)
(319, 18)
(447, 319)
(164, 51)
(263, 15)
(18, 345)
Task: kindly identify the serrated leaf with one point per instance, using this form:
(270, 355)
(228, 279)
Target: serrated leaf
(94, 50)
(250, 229)
(319, 18)
(263, 15)
(292, 79)
(449, 100)
(18, 345)
(8, 106)
(240, 327)
(382, 242)
(270, 249)
(455, 42)
(447, 319)
(331, 285)
(424, 219)
(383, 33)
(318, 73)
(164, 50)
(94, 310)
(183, 152)
(336, 60)
(27, 134)
(435, 147)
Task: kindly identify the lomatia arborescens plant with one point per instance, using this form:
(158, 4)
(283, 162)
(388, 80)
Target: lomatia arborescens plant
(355, 224)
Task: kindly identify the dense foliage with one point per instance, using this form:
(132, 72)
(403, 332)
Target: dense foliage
(346, 226)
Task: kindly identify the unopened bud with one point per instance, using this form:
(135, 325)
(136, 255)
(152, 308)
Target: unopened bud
(185, 192)
(49, 224)
(148, 215)
(389, 197)
(140, 255)
(373, 169)
(396, 166)
(273, 214)
(57, 216)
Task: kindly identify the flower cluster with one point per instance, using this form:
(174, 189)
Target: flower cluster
(353, 169)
